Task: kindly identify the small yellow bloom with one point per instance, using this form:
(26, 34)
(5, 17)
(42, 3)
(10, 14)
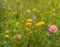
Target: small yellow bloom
(40, 23)
(28, 24)
(29, 20)
(7, 36)
(28, 11)
(14, 13)
(34, 9)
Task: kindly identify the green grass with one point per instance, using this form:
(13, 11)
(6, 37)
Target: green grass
(32, 36)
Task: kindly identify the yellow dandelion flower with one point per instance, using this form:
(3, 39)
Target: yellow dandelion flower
(29, 20)
(7, 36)
(14, 13)
(40, 23)
(34, 9)
(28, 11)
(28, 24)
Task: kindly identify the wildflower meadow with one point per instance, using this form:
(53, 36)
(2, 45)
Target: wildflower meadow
(29, 23)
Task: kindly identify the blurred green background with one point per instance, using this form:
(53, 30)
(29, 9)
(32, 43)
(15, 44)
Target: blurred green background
(13, 18)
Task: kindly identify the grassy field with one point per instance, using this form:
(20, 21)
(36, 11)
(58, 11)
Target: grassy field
(26, 23)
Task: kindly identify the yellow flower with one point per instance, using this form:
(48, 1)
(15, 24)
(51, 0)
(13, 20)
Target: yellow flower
(28, 11)
(40, 23)
(28, 24)
(29, 20)
(34, 9)
(7, 36)
(14, 13)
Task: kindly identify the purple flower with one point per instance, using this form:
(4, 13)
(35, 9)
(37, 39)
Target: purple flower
(19, 36)
(53, 29)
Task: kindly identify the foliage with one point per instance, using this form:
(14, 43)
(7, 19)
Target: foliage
(31, 19)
